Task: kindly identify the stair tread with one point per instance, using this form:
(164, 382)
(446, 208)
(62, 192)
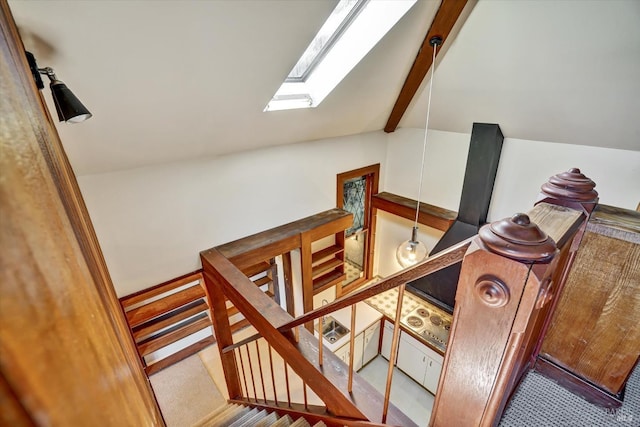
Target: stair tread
(267, 421)
(283, 422)
(230, 416)
(252, 420)
(300, 422)
(207, 419)
(224, 413)
(247, 416)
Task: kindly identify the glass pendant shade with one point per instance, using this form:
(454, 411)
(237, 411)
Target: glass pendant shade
(412, 251)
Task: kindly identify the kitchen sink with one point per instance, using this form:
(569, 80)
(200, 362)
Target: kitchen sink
(332, 330)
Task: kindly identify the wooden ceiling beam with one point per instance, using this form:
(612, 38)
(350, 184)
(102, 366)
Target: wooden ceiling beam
(443, 22)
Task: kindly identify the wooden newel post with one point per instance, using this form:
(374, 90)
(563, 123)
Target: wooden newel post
(222, 331)
(504, 283)
(571, 189)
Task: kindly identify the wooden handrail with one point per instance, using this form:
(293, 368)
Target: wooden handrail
(430, 265)
(298, 347)
(509, 276)
(510, 272)
(265, 315)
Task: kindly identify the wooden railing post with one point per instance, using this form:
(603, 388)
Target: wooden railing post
(571, 189)
(504, 281)
(574, 190)
(221, 276)
(224, 338)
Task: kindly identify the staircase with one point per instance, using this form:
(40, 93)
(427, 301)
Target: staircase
(235, 415)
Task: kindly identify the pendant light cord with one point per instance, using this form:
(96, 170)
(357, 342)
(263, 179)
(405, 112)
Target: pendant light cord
(435, 44)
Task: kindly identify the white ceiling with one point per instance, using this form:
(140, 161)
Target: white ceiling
(168, 81)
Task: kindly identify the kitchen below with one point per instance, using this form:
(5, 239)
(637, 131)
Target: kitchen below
(424, 330)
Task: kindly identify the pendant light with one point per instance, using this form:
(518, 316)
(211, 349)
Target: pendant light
(412, 251)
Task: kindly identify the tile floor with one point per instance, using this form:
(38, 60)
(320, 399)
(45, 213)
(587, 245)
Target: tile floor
(407, 395)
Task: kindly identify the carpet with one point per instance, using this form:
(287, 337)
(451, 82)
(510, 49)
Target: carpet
(185, 392)
(540, 401)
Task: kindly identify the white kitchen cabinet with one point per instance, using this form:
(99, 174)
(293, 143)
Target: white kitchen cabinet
(370, 345)
(411, 360)
(365, 347)
(387, 338)
(419, 362)
(432, 374)
(358, 351)
(343, 353)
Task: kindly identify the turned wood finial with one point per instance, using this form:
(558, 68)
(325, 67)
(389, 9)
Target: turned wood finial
(518, 238)
(571, 186)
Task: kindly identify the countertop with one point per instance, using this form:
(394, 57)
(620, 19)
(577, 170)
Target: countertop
(365, 317)
(386, 302)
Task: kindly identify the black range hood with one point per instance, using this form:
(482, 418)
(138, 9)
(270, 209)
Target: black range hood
(439, 288)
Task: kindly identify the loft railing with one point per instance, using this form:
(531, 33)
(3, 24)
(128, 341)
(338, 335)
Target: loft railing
(297, 346)
(435, 263)
(265, 378)
(511, 272)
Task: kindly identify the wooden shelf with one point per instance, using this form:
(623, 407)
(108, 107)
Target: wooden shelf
(144, 330)
(430, 215)
(174, 334)
(325, 253)
(256, 269)
(143, 314)
(262, 281)
(178, 356)
(328, 280)
(325, 266)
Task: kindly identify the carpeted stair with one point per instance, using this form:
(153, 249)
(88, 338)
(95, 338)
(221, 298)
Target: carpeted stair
(234, 415)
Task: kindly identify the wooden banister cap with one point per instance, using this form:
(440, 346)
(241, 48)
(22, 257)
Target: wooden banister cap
(571, 185)
(518, 238)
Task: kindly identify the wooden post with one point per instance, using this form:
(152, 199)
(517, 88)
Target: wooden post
(222, 330)
(589, 346)
(574, 190)
(571, 189)
(307, 279)
(66, 353)
(504, 279)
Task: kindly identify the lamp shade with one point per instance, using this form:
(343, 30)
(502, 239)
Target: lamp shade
(68, 107)
(412, 251)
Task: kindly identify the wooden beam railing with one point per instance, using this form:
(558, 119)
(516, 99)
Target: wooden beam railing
(164, 314)
(347, 397)
(430, 265)
(511, 271)
(223, 278)
(510, 279)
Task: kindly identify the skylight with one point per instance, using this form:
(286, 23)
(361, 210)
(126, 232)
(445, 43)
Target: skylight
(351, 31)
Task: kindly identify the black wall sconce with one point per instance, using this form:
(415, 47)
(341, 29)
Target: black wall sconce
(68, 106)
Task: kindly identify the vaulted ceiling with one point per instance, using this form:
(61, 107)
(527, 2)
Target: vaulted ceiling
(168, 81)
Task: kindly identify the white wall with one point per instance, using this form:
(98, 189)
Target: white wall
(445, 161)
(524, 166)
(152, 222)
